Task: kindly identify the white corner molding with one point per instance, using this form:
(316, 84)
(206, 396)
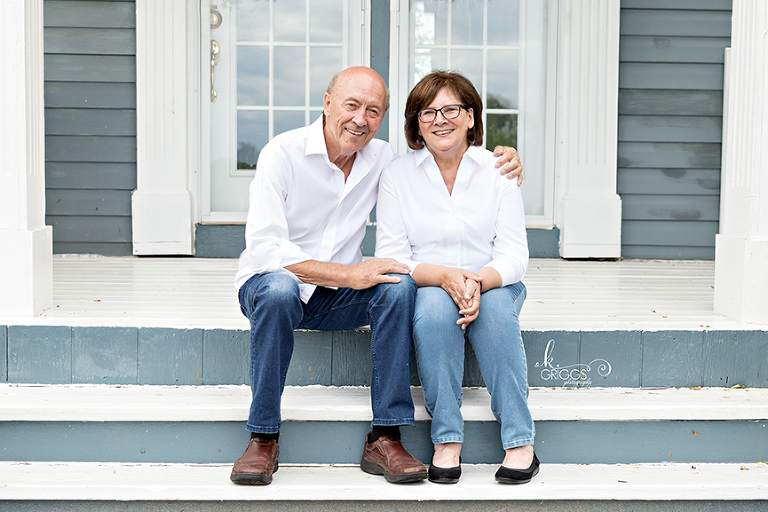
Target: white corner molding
(26, 259)
(741, 247)
(162, 204)
(589, 209)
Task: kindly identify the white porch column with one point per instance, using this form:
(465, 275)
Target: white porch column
(162, 204)
(26, 243)
(741, 248)
(589, 209)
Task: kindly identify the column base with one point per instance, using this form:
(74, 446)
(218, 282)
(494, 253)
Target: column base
(741, 278)
(591, 227)
(162, 224)
(26, 271)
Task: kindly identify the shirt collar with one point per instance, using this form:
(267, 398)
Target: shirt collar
(473, 152)
(364, 160)
(316, 139)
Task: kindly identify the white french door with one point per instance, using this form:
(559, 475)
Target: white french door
(270, 62)
(502, 47)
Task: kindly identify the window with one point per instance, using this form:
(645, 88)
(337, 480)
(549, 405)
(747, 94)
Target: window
(270, 64)
(501, 47)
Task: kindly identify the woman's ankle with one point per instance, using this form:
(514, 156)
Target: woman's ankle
(447, 455)
(519, 457)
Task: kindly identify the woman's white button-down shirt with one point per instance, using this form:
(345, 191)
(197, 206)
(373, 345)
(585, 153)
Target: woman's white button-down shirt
(480, 224)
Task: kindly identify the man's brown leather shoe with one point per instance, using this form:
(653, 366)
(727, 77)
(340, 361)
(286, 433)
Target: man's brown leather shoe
(386, 456)
(256, 465)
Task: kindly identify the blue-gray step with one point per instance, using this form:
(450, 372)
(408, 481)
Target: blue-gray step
(166, 356)
(326, 425)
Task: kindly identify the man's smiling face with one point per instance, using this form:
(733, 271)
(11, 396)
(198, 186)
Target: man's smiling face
(354, 110)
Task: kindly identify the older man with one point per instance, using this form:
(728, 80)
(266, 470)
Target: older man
(302, 268)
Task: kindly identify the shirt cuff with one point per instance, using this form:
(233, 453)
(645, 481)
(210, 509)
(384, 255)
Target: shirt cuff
(509, 274)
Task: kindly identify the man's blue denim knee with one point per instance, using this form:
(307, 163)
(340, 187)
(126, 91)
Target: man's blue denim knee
(273, 306)
(391, 313)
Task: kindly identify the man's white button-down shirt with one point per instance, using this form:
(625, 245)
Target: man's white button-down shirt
(480, 224)
(302, 209)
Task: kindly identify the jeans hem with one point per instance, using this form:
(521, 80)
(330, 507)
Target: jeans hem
(262, 429)
(517, 444)
(444, 440)
(403, 422)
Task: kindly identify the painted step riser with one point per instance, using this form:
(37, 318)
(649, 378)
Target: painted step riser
(326, 442)
(115, 355)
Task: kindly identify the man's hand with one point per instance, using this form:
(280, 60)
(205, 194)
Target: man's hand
(360, 276)
(509, 162)
(371, 272)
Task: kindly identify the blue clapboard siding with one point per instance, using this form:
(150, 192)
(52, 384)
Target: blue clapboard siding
(90, 123)
(670, 125)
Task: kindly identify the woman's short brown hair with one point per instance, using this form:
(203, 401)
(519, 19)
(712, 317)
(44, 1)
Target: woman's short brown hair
(427, 89)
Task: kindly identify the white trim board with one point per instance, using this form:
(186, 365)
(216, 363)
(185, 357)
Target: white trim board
(189, 482)
(320, 403)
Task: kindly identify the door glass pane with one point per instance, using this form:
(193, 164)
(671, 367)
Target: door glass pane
(467, 22)
(253, 75)
(325, 20)
(430, 22)
(503, 25)
(288, 80)
(252, 135)
(285, 121)
(252, 19)
(325, 62)
(500, 130)
(470, 64)
(502, 77)
(292, 15)
(425, 60)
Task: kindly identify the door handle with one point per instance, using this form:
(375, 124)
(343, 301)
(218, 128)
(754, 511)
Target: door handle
(215, 53)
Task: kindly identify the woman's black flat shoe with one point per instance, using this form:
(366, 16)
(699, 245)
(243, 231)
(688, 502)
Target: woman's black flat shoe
(518, 476)
(444, 475)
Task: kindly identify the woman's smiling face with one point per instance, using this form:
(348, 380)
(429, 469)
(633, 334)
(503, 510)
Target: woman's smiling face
(443, 136)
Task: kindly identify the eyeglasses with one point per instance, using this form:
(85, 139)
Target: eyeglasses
(427, 115)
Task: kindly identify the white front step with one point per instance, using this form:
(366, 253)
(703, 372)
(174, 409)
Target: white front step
(84, 481)
(320, 403)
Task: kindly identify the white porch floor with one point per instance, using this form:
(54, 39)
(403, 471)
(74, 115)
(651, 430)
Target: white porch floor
(562, 295)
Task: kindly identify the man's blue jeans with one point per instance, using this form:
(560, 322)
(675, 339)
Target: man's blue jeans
(495, 337)
(272, 304)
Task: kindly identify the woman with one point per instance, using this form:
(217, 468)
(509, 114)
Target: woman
(445, 211)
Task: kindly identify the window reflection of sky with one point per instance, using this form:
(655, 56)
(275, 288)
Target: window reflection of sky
(288, 45)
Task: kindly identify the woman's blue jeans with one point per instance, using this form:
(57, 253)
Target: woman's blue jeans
(272, 304)
(498, 345)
